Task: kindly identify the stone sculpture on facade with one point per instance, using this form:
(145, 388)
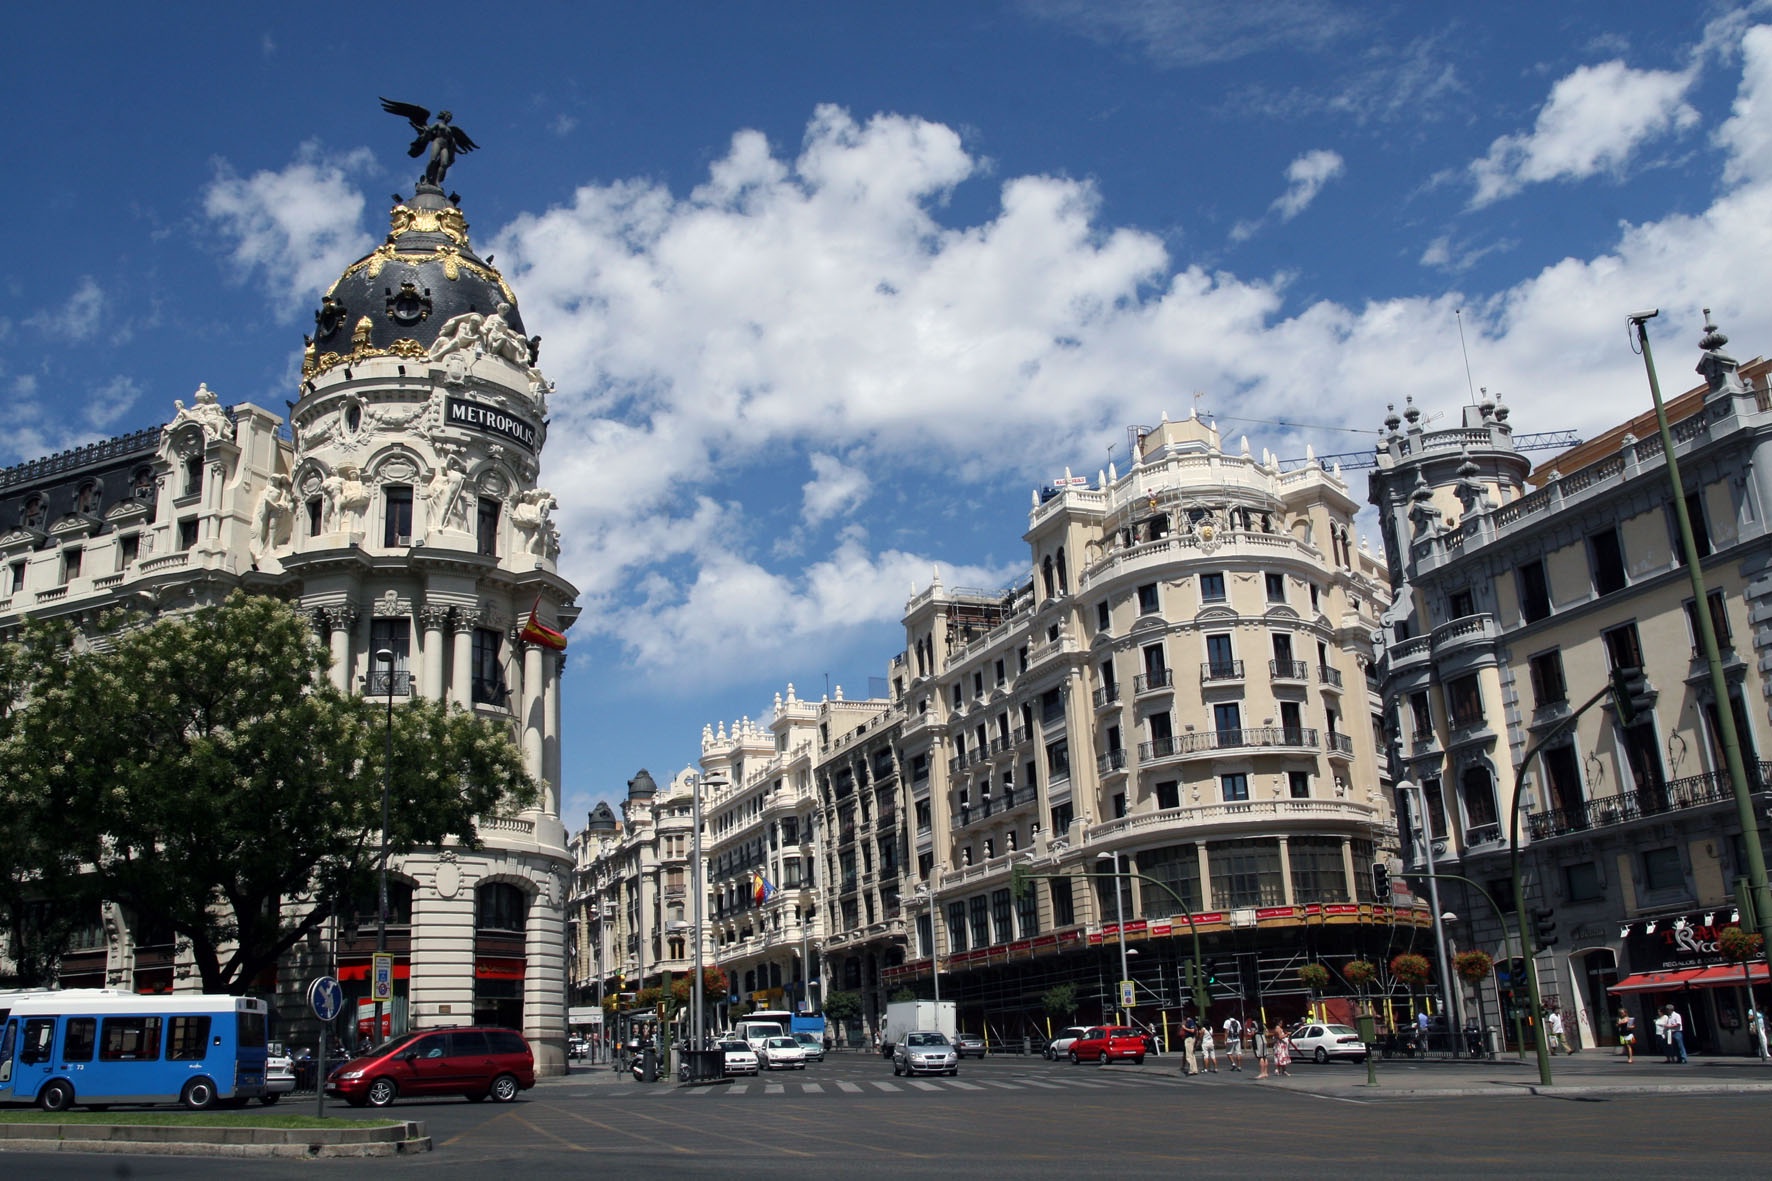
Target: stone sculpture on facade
(443, 494)
(206, 412)
(441, 138)
(344, 498)
(530, 516)
(271, 516)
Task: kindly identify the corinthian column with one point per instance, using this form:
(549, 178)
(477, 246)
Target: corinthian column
(462, 692)
(342, 620)
(532, 711)
(434, 619)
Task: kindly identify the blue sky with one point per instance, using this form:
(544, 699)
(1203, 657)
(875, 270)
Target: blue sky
(827, 289)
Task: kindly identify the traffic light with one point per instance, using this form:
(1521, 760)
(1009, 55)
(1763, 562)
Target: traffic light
(1212, 974)
(1381, 881)
(1630, 693)
(1544, 927)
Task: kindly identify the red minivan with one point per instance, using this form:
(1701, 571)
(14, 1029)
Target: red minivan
(472, 1061)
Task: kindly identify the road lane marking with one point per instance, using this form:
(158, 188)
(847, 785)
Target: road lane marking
(922, 1085)
(850, 1088)
(954, 1082)
(812, 1088)
(886, 1086)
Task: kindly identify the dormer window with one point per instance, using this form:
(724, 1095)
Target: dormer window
(35, 511)
(193, 475)
(86, 500)
(141, 485)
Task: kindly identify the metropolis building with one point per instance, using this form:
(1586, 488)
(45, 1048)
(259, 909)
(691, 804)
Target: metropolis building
(397, 503)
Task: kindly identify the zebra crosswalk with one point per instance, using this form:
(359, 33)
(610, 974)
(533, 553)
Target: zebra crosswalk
(740, 1088)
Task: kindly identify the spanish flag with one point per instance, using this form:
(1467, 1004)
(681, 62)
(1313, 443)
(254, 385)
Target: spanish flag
(535, 632)
(761, 890)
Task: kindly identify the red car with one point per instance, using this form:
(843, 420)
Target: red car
(1105, 1043)
(474, 1062)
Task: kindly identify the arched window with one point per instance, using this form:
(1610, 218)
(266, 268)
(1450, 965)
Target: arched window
(500, 906)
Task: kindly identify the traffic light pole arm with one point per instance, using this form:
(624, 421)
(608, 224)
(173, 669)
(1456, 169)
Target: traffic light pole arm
(1513, 841)
(1201, 1001)
(1501, 920)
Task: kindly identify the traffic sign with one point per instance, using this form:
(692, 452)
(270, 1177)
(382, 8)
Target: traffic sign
(1128, 994)
(381, 976)
(326, 998)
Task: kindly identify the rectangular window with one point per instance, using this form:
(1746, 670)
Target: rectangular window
(1606, 553)
(1062, 815)
(1064, 904)
(1233, 787)
(1700, 528)
(1421, 716)
(1221, 659)
(1227, 720)
(187, 1039)
(1168, 795)
(1464, 701)
(1176, 867)
(81, 1040)
(315, 516)
(1058, 760)
(1276, 587)
(129, 548)
(1002, 916)
(1299, 784)
(187, 533)
(486, 518)
(1534, 591)
(18, 577)
(956, 927)
(71, 559)
(1002, 673)
(1460, 604)
(130, 1039)
(1548, 686)
(396, 516)
(1318, 874)
(1662, 869)
(1582, 882)
(1212, 588)
(1623, 648)
(1246, 873)
(1103, 616)
(981, 921)
(1147, 599)
(1027, 914)
(389, 635)
(489, 678)
(1719, 621)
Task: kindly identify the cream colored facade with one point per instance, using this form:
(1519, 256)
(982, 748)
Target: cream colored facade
(1516, 597)
(399, 506)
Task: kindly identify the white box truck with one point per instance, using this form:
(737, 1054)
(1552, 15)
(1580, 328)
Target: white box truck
(903, 1017)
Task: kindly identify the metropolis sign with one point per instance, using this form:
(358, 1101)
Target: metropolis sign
(477, 416)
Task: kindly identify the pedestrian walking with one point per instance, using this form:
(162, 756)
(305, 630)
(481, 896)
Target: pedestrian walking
(1190, 1038)
(1208, 1052)
(1757, 1024)
(1233, 1042)
(1259, 1037)
(1676, 1035)
(1422, 1025)
(1627, 1035)
(1553, 1024)
(1282, 1044)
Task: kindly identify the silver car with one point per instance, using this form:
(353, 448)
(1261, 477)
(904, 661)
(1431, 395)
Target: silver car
(1059, 1046)
(926, 1051)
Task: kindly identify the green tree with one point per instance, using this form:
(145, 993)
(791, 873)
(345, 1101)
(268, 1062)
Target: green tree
(841, 1005)
(203, 771)
(1060, 1000)
(903, 993)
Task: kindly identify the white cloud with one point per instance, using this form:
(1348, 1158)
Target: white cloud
(76, 319)
(1747, 135)
(296, 229)
(1201, 32)
(1305, 178)
(1594, 121)
(834, 488)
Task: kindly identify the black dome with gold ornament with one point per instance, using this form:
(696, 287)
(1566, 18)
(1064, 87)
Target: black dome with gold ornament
(395, 300)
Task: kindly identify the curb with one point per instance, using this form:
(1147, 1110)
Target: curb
(401, 1139)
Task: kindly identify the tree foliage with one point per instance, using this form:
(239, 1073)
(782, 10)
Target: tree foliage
(202, 771)
(1060, 1000)
(842, 1005)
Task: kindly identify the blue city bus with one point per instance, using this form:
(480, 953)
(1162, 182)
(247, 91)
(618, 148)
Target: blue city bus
(94, 1048)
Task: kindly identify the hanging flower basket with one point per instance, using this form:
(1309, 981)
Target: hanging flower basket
(1411, 969)
(1473, 966)
(1737, 946)
(1359, 973)
(1314, 976)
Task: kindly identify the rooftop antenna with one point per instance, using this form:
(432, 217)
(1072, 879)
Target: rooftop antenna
(1458, 313)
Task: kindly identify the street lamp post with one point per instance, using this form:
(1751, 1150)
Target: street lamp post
(934, 944)
(1448, 994)
(385, 656)
(696, 985)
(1120, 920)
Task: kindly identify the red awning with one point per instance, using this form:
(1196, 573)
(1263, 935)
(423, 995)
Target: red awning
(1657, 981)
(1727, 975)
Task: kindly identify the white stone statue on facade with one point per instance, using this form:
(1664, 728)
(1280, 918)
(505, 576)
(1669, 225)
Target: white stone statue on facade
(460, 334)
(529, 515)
(206, 412)
(270, 519)
(344, 498)
(443, 492)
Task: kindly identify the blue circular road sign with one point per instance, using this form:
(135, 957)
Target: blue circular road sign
(326, 998)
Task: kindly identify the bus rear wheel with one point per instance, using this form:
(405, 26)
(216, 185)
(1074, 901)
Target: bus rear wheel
(198, 1095)
(57, 1096)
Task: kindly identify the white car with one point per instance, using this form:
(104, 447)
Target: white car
(782, 1053)
(740, 1058)
(1320, 1043)
(1060, 1046)
(279, 1073)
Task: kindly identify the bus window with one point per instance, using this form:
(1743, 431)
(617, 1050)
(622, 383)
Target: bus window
(130, 1039)
(39, 1037)
(78, 1041)
(187, 1039)
(249, 1029)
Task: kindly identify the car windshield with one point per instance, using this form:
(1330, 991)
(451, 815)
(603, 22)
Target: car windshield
(807, 1039)
(736, 1047)
(926, 1039)
(1343, 1031)
(779, 1043)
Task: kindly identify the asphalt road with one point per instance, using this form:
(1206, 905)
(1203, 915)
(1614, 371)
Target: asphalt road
(1028, 1118)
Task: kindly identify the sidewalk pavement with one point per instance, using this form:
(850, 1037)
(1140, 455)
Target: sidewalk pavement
(1590, 1072)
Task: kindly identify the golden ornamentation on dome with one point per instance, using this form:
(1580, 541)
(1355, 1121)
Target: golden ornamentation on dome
(448, 222)
(406, 348)
(378, 258)
(360, 334)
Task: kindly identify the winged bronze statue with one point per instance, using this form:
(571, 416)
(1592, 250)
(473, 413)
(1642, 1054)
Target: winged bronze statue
(442, 138)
